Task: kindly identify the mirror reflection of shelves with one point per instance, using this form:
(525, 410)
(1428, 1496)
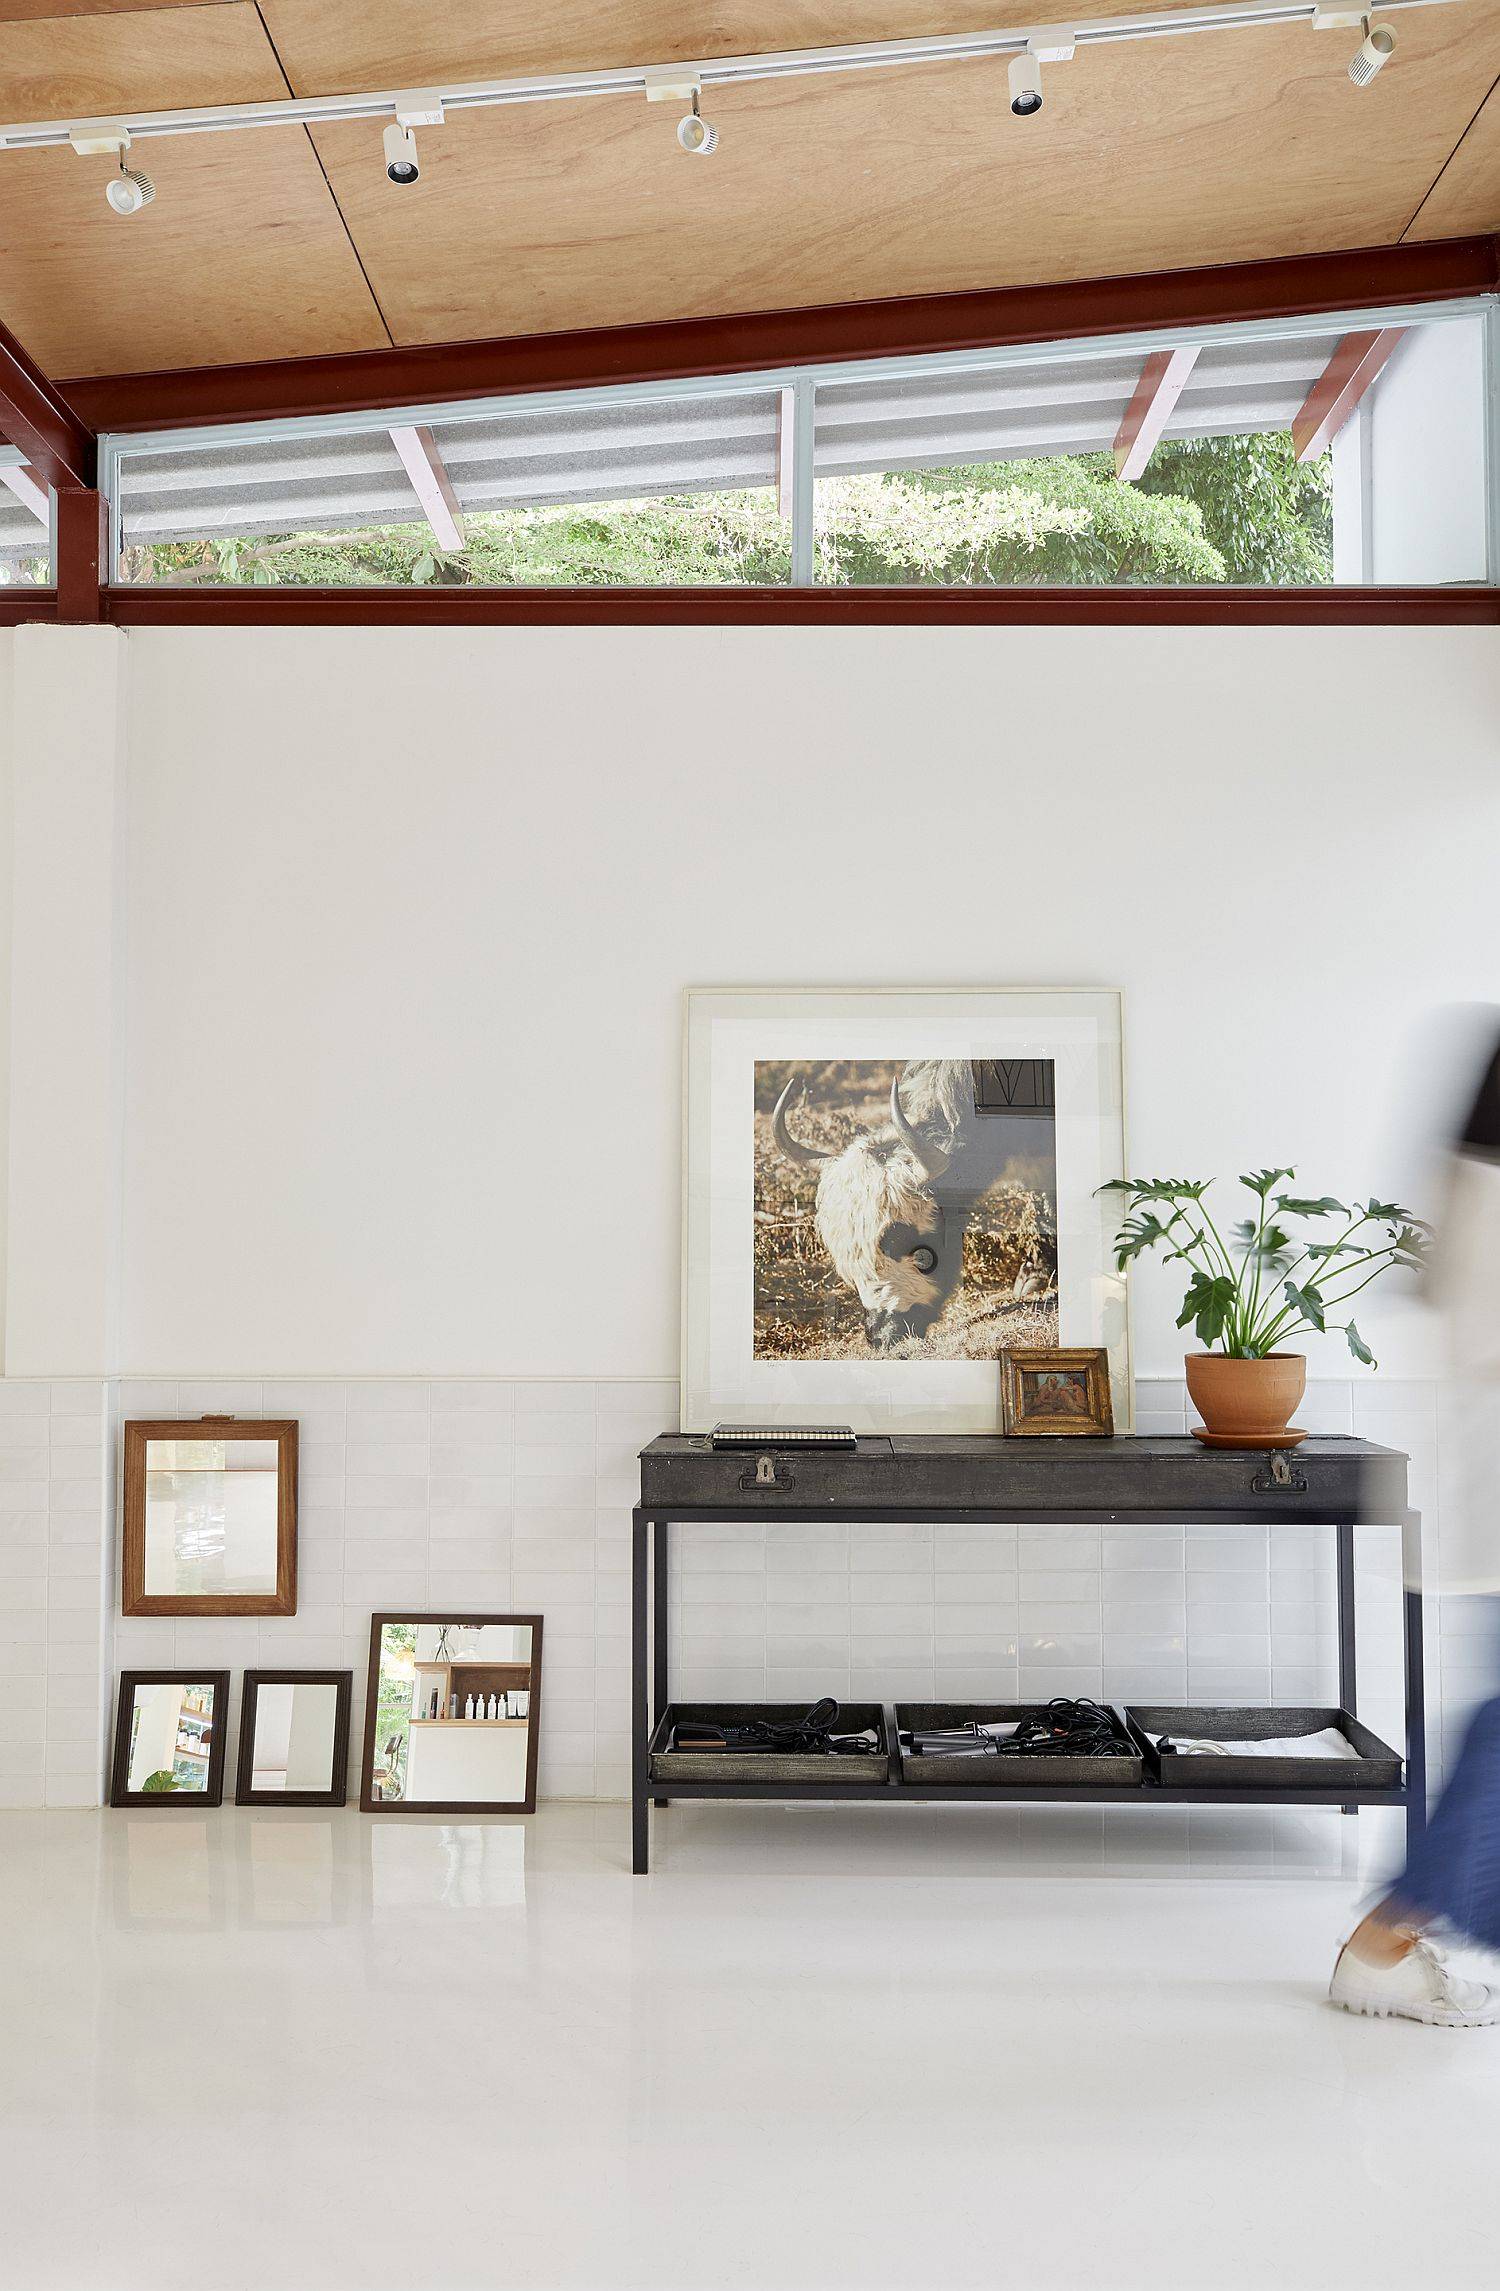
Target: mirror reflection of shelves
(463, 1693)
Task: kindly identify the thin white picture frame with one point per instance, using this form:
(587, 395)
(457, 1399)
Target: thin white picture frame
(726, 1030)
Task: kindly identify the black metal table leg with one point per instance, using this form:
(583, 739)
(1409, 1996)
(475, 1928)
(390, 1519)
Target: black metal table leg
(660, 1624)
(1416, 1694)
(1348, 1681)
(640, 1684)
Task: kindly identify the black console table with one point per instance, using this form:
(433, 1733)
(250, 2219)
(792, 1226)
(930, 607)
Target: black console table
(983, 1481)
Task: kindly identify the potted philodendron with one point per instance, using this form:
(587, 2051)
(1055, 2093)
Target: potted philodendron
(1251, 1295)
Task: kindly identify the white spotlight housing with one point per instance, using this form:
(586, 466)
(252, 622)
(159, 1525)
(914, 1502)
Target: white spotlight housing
(1025, 84)
(401, 162)
(130, 190)
(1377, 48)
(694, 133)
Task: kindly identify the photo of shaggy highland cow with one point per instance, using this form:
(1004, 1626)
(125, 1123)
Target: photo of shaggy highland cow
(904, 1209)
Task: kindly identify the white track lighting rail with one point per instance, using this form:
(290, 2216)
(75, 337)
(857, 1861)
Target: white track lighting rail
(720, 71)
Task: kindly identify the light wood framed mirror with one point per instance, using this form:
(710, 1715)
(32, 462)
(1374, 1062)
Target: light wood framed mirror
(452, 1714)
(169, 1739)
(210, 1517)
(294, 1738)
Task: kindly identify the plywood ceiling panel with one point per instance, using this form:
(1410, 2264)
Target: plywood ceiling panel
(243, 254)
(1466, 196)
(1147, 156)
(330, 46)
(28, 11)
(159, 57)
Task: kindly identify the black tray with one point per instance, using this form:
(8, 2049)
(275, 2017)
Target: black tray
(1376, 1768)
(769, 1765)
(1125, 1772)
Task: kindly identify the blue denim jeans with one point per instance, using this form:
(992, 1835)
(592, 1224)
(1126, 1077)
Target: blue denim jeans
(1453, 1873)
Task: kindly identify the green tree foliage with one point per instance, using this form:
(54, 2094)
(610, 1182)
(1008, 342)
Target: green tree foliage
(1225, 509)
(1269, 516)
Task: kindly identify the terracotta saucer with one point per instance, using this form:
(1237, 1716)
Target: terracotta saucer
(1290, 1438)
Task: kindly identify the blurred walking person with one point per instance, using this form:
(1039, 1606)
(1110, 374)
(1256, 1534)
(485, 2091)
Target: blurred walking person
(1390, 1966)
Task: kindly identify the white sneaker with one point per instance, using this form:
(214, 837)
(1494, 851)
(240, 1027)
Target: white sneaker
(1418, 1987)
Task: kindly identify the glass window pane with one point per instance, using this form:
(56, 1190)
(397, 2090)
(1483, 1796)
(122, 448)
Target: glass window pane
(670, 490)
(25, 525)
(1008, 475)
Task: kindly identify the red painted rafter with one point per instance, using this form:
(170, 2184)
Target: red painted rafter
(424, 465)
(382, 380)
(1339, 388)
(1163, 378)
(35, 416)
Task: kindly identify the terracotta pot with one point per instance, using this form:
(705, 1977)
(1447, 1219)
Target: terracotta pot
(1246, 1403)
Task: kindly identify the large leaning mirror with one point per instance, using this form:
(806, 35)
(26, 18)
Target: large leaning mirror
(210, 1525)
(294, 1738)
(451, 1715)
(169, 1739)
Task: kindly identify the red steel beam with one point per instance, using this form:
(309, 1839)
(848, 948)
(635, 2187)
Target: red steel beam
(82, 567)
(382, 380)
(883, 607)
(1163, 378)
(36, 416)
(1339, 388)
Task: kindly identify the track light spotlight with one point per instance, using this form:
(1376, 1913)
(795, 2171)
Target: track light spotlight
(1025, 84)
(1377, 48)
(130, 190)
(401, 162)
(695, 134)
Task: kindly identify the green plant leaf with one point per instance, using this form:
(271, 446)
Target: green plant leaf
(1261, 1180)
(1295, 1206)
(1207, 1305)
(1358, 1346)
(1159, 1188)
(1307, 1302)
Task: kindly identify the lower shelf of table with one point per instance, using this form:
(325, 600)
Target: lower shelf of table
(1147, 1793)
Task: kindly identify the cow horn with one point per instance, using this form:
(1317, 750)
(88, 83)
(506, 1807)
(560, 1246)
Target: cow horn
(930, 1159)
(807, 1156)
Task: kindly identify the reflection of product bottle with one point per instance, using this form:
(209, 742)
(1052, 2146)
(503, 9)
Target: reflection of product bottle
(453, 1706)
(433, 1711)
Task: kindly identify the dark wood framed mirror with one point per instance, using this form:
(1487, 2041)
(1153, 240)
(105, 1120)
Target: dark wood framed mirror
(210, 1517)
(169, 1738)
(294, 1738)
(452, 1714)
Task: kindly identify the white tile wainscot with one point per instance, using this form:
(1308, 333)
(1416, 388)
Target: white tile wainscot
(513, 1494)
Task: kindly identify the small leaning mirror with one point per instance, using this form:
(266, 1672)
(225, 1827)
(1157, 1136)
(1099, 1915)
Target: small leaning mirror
(451, 1715)
(169, 1739)
(294, 1738)
(210, 1525)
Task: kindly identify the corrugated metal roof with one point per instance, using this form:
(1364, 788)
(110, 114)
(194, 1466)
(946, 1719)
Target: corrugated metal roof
(333, 482)
(1066, 406)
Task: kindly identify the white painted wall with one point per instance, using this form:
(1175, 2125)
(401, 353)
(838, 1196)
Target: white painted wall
(1426, 449)
(407, 919)
(410, 914)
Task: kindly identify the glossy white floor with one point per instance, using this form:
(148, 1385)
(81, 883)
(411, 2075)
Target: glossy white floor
(862, 2049)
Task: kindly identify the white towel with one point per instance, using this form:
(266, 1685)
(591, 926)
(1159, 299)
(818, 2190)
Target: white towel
(1327, 1744)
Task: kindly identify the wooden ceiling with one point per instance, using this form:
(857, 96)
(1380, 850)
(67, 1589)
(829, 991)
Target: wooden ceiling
(281, 244)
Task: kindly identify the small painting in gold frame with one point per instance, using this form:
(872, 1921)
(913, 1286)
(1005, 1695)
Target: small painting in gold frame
(1049, 1392)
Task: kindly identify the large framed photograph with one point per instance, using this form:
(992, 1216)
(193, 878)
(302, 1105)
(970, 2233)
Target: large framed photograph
(886, 1190)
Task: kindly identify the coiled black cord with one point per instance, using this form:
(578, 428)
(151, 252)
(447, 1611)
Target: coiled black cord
(1072, 1728)
(808, 1736)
